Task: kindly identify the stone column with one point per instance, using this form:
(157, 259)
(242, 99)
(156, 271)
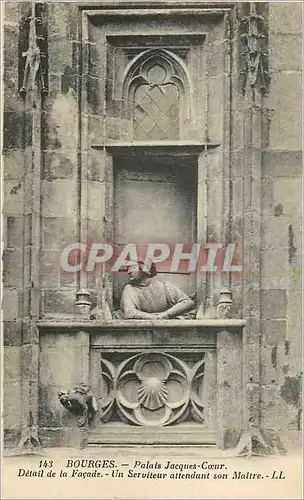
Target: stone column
(229, 377)
(254, 36)
(229, 384)
(81, 370)
(32, 87)
(81, 349)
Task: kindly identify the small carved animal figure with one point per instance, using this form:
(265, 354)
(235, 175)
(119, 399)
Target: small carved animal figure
(80, 402)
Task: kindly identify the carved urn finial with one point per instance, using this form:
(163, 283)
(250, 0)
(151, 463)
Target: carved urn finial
(83, 302)
(225, 303)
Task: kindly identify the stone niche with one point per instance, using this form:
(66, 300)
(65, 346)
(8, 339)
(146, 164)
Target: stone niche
(152, 120)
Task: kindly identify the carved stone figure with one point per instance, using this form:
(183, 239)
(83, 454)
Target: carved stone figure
(81, 403)
(145, 297)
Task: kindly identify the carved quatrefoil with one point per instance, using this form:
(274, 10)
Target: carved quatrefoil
(152, 389)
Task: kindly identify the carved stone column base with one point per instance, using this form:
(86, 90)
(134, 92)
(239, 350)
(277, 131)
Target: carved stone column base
(83, 303)
(256, 442)
(224, 306)
(29, 442)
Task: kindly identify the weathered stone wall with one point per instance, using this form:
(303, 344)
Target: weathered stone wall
(69, 351)
(60, 146)
(281, 224)
(57, 217)
(15, 224)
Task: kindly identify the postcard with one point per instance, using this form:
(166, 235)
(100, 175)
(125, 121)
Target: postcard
(152, 249)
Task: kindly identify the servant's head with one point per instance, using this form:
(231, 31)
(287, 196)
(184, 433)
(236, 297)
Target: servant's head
(138, 270)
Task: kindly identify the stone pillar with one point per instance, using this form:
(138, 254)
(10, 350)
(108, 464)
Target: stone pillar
(254, 36)
(225, 304)
(32, 87)
(81, 349)
(229, 377)
(229, 387)
(80, 429)
(15, 145)
(67, 349)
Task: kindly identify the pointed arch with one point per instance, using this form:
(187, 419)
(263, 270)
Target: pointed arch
(156, 95)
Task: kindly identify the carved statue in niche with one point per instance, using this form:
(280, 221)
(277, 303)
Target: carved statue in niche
(145, 297)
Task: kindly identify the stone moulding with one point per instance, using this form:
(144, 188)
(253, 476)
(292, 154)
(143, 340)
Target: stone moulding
(76, 322)
(147, 148)
(129, 10)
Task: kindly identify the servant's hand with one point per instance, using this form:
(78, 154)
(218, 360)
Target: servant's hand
(161, 315)
(152, 316)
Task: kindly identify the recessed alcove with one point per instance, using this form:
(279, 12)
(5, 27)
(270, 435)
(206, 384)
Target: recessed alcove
(155, 190)
(155, 199)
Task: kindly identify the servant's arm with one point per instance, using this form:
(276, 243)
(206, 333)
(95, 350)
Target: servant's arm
(180, 301)
(129, 307)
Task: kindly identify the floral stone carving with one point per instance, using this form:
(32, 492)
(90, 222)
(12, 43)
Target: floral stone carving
(153, 389)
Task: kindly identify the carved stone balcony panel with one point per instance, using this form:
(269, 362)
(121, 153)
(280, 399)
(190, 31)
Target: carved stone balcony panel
(162, 382)
(153, 389)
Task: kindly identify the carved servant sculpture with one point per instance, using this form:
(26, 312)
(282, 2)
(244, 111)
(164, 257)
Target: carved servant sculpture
(145, 297)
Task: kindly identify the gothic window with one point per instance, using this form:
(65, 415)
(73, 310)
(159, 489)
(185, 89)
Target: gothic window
(155, 92)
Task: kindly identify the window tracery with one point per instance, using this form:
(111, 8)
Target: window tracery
(156, 95)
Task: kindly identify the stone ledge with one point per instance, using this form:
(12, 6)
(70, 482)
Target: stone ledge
(78, 322)
(184, 147)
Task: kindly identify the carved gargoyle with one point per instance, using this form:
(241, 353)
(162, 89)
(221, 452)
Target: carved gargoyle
(80, 402)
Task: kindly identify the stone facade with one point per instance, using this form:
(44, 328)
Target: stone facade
(58, 189)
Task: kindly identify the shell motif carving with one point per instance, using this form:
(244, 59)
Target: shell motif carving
(152, 389)
(152, 393)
